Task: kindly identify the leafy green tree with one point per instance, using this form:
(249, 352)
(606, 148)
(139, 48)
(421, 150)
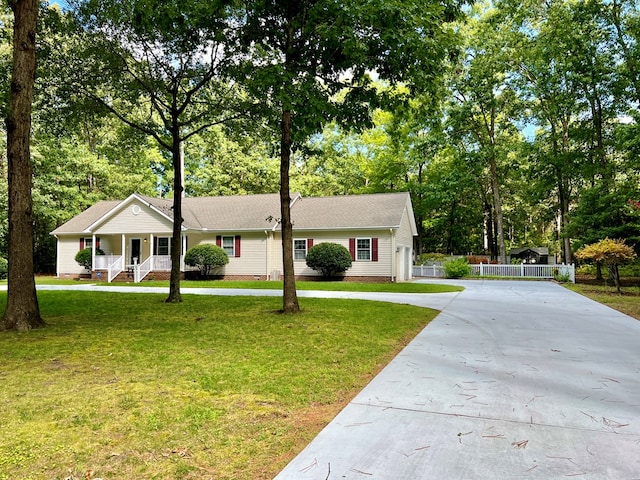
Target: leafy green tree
(302, 54)
(22, 311)
(158, 66)
(452, 209)
(484, 108)
(575, 89)
(330, 259)
(218, 162)
(206, 257)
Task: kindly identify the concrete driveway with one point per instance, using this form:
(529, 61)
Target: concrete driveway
(511, 380)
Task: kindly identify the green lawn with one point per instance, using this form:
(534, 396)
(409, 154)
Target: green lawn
(626, 302)
(126, 386)
(402, 287)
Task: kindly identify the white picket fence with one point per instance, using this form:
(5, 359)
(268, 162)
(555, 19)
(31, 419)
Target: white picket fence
(504, 271)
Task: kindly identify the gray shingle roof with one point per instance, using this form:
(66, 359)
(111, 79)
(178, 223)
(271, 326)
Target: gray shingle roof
(258, 212)
(382, 210)
(81, 222)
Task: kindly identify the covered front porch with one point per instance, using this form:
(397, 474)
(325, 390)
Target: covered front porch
(135, 254)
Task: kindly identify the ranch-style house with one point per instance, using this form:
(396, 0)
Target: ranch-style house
(130, 238)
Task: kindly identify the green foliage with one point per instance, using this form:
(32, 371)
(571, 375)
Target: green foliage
(431, 258)
(330, 259)
(562, 276)
(84, 257)
(4, 268)
(219, 162)
(206, 257)
(457, 268)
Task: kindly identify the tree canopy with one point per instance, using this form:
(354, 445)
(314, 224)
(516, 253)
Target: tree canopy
(513, 125)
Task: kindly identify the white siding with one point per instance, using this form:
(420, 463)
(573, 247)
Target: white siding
(66, 253)
(404, 244)
(381, 268)
(126, 221)
(253, 252)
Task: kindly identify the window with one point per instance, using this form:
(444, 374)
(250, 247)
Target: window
(299, 249)
(228, 244)
(164, 246)
(363, 249)
(87, 242)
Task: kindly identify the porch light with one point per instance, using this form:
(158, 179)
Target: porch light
(145, 240)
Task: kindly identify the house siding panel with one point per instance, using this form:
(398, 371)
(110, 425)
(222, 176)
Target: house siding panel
(253, 248)
(381, 268)
(66, 253)
(126, 221)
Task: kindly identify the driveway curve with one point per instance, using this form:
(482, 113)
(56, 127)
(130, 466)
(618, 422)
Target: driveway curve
(513, 379)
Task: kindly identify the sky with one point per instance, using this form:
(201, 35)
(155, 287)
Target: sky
(63, 3)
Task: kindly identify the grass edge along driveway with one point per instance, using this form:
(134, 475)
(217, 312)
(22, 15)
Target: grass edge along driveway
(127, 386)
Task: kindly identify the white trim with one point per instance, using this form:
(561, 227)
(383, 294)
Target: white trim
(394, 254)
(130, 256)
(370, 249)
(306, 249)
(233, 244)
(121, 206)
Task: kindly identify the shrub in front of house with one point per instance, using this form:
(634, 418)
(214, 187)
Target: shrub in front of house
(4, 268)
(84, 257)
(457, 268)
(205, 258)
(330, 259)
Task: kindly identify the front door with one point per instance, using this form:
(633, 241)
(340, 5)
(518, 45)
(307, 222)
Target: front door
(135, 251)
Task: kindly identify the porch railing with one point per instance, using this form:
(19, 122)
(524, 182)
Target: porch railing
(115, 267)
(102, 262)
(489, 270)
(143, 270)
(114, 264)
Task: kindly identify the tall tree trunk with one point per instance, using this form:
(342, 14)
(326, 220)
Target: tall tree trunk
(564, 222)
(497, 207)
(289, 296)
(22, 312)
(489, 228)
(176, 238)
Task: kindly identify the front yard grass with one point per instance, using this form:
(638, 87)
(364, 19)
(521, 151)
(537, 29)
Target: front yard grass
(627, 302)
(401, 287)
(126, 386)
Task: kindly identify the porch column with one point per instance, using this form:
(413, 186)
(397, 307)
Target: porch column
(124, 258)
(182, 251)
(394, 255)
(267, 254)
(151, 252)
(93, 252)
